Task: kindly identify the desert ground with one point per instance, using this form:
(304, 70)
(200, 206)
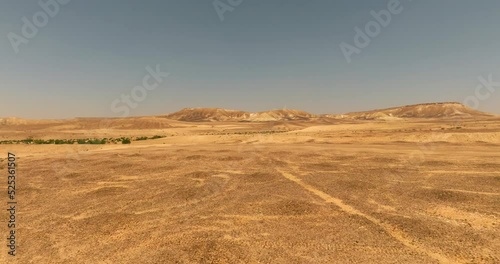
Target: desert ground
(325, 191)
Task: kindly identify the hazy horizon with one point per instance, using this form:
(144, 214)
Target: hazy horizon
(258, 56)
(163, 113)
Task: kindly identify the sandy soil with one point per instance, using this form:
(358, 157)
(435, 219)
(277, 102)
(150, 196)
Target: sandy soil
(419, 191)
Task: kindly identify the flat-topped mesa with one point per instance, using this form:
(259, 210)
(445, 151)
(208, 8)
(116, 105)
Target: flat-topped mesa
(208, 109)
(220, 114)
(425, 110)
(281, 115)
(207, 114)
(437, 103)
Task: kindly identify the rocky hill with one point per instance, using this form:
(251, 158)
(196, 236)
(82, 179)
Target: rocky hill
(430, 110)
(219, 114)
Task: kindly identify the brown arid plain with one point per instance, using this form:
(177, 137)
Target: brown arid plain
(413, 184)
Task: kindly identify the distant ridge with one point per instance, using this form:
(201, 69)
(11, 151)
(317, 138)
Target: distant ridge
(90, 123)
(425, 110)
(207, 114)
(220, 114)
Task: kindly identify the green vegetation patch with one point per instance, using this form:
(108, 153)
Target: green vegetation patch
(81, 141)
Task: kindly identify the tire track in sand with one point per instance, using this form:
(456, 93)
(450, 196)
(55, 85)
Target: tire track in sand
(392, 231)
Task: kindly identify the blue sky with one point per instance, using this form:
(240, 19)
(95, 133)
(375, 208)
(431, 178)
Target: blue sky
(263, 55)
